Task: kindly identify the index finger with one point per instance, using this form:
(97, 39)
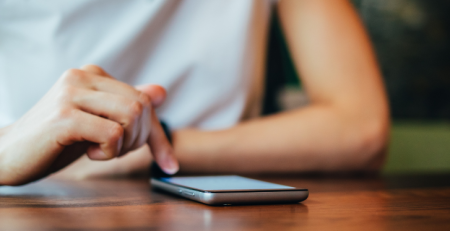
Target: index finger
(161, 148)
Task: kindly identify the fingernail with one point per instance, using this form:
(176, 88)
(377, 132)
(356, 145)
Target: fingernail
(96, 153)
(102, 155)
(170, 165)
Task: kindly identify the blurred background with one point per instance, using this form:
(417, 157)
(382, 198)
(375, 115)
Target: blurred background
(412, 42)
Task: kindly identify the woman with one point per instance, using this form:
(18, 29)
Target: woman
(209, 56)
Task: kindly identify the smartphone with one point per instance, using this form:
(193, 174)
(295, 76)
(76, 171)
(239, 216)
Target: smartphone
(229, 190)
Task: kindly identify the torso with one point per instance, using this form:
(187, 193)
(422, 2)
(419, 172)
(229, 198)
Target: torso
(208, 54)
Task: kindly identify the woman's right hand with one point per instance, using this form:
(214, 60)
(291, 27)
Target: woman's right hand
(86, 111)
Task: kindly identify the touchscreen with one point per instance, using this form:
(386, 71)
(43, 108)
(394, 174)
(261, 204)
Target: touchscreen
(206, 183)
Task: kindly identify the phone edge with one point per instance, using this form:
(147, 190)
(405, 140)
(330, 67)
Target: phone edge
(227, 198)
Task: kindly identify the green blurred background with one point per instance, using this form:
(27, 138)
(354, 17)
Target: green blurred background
(412, 42)
(419, 146)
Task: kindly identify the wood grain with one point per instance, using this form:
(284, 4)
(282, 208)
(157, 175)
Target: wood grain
(335, 203)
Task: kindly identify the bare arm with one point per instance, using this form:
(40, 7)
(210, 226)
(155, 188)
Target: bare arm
(344, 128)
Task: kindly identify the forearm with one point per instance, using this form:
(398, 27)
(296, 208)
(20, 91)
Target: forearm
(316, 138)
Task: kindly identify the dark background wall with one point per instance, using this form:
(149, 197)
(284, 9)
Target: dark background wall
(412, 41)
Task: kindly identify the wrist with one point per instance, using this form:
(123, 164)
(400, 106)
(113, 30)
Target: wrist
(197, 150)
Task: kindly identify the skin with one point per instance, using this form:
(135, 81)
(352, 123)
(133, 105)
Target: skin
(86, 111)
(344, 128)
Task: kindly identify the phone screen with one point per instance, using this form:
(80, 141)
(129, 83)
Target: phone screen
(210, 183)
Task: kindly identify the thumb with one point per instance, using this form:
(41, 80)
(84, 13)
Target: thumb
(156, 92)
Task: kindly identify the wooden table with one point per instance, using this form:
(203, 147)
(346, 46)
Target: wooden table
(335, 203)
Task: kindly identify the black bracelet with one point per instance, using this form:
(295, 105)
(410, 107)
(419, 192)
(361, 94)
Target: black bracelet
(155, 170)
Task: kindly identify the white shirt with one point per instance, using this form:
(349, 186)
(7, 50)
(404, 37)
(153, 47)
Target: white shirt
(208, 54)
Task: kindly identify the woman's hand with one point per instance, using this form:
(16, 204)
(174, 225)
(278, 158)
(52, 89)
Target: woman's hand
(86, 111)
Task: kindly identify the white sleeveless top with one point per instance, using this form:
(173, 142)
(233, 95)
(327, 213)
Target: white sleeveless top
(208, 54)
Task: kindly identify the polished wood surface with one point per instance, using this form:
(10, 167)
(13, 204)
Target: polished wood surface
(335, 203)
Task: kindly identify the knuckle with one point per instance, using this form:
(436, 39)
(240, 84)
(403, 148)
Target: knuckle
(68, 92)
(115, 132)
(65, 96)
(63, 113)
(71, 71)
(145, 99)
(73, 75)
(135, 109)
(93, 68)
